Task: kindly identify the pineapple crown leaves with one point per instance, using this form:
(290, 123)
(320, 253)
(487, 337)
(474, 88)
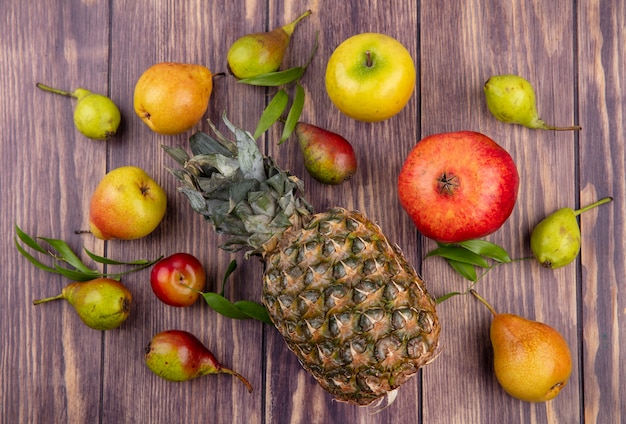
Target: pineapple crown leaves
(241, 192)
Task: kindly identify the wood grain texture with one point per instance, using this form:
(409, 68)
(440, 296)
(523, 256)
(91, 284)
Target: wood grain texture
(602, 169)
(54, 369)
(46, 373)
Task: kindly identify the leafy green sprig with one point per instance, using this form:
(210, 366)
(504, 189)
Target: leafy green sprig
(241, 309)
(468, 257)
(280, 100)
(67, 263)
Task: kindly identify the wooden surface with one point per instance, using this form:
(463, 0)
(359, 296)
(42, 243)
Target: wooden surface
(54, 369)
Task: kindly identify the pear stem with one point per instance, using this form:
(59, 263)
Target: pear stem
(593, 205)
(55, 90)
(239, 376)
(289, 28)
(538, 123)
(572, 128)
(483, 301)
(48, 299)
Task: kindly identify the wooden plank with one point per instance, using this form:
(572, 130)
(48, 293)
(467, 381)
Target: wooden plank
(601, 67)
(50, 360)
(462, 45)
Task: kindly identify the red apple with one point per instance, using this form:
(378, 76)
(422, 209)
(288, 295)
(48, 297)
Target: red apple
(458, 186)
(178, 279)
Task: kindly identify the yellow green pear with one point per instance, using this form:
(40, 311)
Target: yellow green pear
(555, 241)
(170, 98)
(127, 204)
(102, 303)
(531, 360)
(95, 115)
(260, 53)
(511, 99)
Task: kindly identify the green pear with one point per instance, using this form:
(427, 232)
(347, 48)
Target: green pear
(260, 53)
(102, 303)
(95, 115)
(511, 99)
(555, 241)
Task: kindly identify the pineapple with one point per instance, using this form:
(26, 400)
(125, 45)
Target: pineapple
(343, 297)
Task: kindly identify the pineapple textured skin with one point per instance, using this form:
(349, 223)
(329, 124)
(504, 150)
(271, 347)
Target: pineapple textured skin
(350, 306)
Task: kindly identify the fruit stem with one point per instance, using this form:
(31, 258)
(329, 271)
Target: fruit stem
(55, 90)
(483, 301)
(219, 74)
(239, 376)
(48, 299)
(289, 28)
(572, 128)
(593, 205)
(368, 59)
(538, 123)
(313, 50)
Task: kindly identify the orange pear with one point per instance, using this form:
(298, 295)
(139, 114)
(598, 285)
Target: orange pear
(531, 360)
(171, 98)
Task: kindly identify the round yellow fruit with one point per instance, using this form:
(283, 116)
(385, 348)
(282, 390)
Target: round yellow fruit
(370, 77)
(172, 97)
(127, 204)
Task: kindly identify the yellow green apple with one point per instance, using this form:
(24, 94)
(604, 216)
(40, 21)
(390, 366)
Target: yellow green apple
(370, 77)
(127, 204)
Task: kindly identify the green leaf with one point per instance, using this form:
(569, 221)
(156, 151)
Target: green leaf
(117, 275)
(313, 50)
(242, 309)
(77, 275)
(32, 259)
(232, 266)
(274, 79)
(107, 261)
(29, 241)
(467, 271)
(66, 254)
(272, 112)
(459, 254)
(254, 310)
(446, 296)
(488, 249)
(294, 113)
(72, 274)
(223, 306)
